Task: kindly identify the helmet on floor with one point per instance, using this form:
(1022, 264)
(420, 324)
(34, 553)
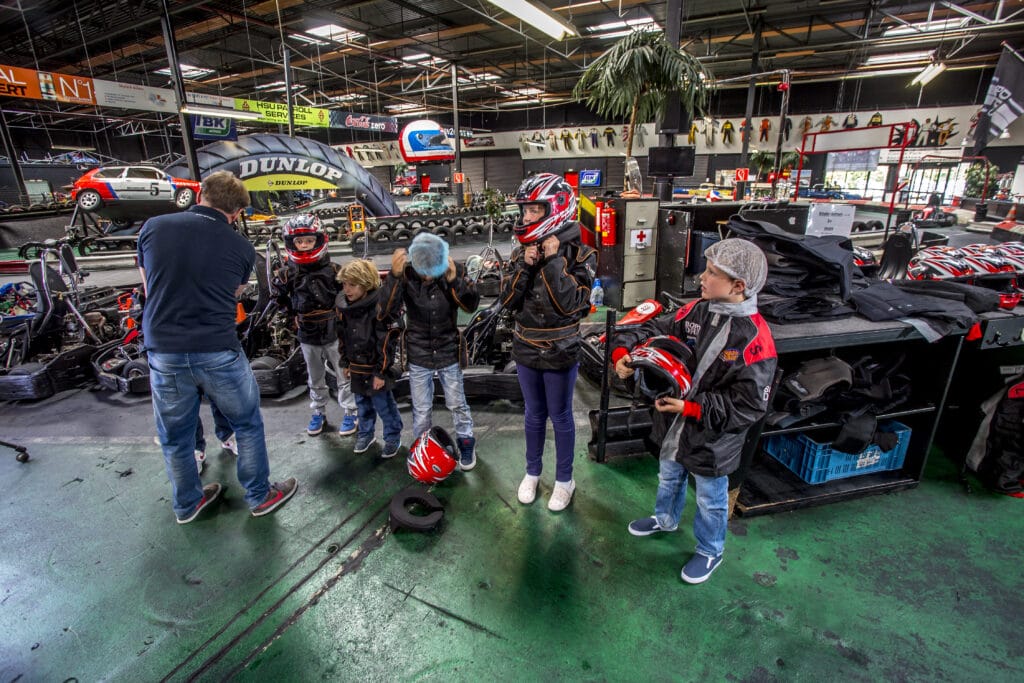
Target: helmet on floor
(665, 367)
(559, 203)
(304, 225)
(433, 456)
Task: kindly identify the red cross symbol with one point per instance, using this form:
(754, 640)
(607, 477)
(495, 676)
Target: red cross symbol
(641, 236)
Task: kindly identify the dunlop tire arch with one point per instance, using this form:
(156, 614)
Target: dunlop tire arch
(226, 155)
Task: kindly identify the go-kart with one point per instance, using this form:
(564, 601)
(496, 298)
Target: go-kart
(49, 350)
(268, 333)
(123, 366)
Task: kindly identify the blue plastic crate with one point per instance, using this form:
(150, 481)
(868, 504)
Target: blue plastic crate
(817, 463)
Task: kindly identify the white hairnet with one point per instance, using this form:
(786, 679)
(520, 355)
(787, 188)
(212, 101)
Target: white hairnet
(740, 260)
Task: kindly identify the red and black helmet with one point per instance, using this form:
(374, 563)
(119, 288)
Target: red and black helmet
(304, 225)
(559, 206)
(433, 456)
(664, 366)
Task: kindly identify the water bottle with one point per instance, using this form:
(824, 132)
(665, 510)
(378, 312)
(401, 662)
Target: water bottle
(596, 294)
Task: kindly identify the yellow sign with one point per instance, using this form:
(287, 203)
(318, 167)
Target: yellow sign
(286, 181)
(277, 112)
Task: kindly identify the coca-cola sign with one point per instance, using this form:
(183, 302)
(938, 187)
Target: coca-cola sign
(377, 124)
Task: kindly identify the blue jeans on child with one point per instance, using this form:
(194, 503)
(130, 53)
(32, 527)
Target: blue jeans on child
(712, 517)
(548, 393)
(421, 389)
(380, 403)
(178, 381)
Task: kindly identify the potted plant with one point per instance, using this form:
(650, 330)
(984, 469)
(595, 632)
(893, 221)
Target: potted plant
(634, 77)
(764, 162)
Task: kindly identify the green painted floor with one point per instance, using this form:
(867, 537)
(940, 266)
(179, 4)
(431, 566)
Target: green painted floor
(98, 583)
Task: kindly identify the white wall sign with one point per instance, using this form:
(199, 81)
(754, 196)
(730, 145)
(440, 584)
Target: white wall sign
(830, 219)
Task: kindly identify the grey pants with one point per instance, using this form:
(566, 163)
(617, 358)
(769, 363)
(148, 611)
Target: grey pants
(317, 358)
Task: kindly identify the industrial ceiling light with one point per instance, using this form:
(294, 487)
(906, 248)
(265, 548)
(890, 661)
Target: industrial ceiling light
(188, 72)
(217, 111)
(538, 17)
(74, 148)
(928, 74)
(925, 27)
(900, 57)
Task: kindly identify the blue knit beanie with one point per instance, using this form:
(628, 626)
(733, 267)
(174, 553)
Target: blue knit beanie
(428, 255)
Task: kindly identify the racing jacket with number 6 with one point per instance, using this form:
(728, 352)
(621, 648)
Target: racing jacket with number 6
(732, 393)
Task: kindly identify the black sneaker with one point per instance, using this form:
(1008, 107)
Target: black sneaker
(210, 493)
(279, 494)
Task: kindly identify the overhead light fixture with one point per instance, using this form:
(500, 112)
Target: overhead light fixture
(338, 34)
(226, 113)
(416, 57)
(925, 27)
(928, 74)
(611, 25)
(74, 148)
(538, 17)
(901, 57)
(275, 84)
(189, 72)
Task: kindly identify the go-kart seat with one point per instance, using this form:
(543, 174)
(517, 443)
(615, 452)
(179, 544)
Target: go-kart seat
(896, 255)
(50, 312)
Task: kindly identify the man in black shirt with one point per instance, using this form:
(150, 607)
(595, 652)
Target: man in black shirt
(194, 265)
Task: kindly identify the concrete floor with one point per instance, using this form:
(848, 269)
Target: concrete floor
(99, 583)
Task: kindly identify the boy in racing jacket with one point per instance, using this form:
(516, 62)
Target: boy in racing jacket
(735, 360)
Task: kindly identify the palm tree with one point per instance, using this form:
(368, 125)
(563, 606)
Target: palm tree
(635, 76)
(764, 162)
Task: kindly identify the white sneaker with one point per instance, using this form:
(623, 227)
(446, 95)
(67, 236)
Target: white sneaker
(528, 489)
(229, 444)
(561, 495)
(200, 460)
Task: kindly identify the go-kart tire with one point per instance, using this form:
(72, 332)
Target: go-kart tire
(357, 242)
(447, 222)
(416, 225)
(444, 233)
(402, 235)
(264, 363)
(135, 368)
(89, 200)
(121, 223)
(859, 226)
(227, 155)
(951, 219)
(459, 229)
(505, 226)
(383, 225)
(414, 212)
(475, 228)
(382, 236)
(430, 223)
(876, 225)
(184, 198)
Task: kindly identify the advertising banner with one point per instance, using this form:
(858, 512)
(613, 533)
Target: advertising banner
(129, 96)
(15, 82)
(206, 127)
(378, 124)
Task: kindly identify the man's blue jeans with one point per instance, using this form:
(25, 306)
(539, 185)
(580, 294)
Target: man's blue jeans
(421, 389)
(712, 517)
(178, 381)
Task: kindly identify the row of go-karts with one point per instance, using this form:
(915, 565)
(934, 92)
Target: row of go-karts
(58, 334)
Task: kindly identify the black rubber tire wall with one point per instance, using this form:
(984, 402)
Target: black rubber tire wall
(226, 154)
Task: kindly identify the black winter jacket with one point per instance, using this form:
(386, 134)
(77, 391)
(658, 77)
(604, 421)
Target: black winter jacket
(733, 393)
(549, 299)
(368, 346)
(432, 338)
(308, 292)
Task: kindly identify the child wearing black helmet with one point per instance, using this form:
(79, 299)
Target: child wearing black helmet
(308, 289)
(731, 371)
(549, 291)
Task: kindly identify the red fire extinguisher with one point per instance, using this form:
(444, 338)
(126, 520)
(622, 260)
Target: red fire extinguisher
(608, 226)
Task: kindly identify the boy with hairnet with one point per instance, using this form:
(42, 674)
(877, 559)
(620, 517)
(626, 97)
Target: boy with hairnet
(735, 361)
